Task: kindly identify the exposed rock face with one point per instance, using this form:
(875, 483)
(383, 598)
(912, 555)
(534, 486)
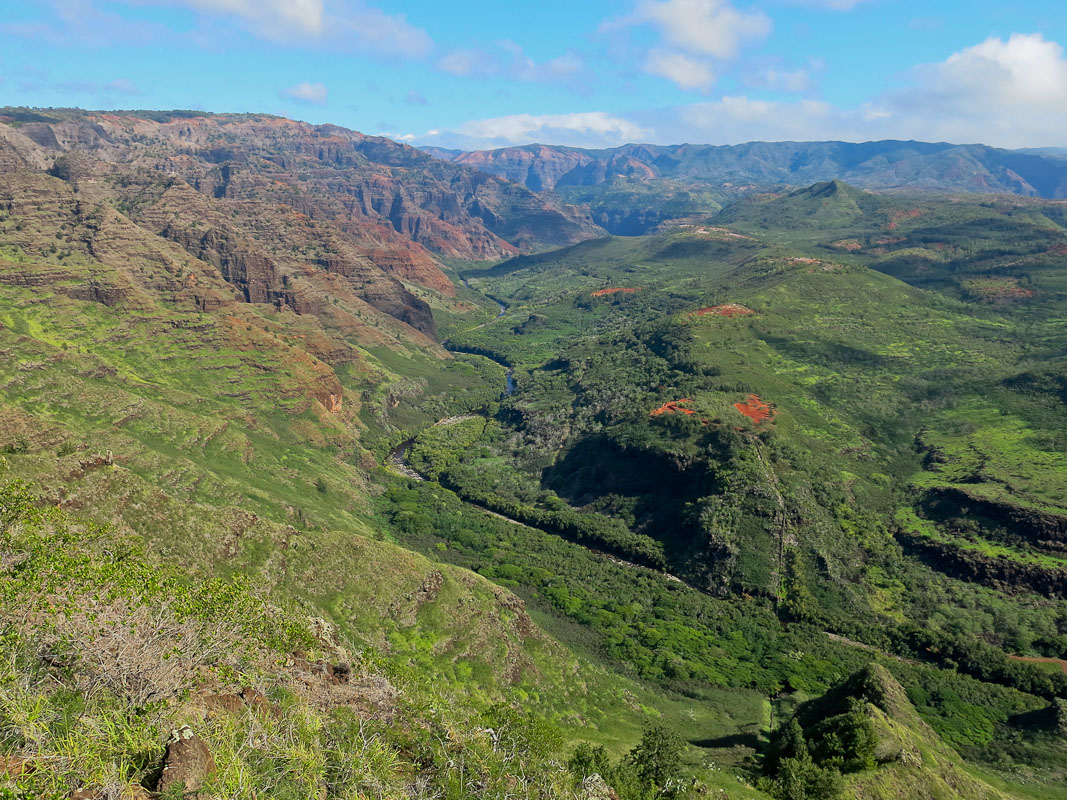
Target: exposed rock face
(998, 573)
(542, 168)
(275, 205)
(188, 762)
(595, 787)
(1011, 523)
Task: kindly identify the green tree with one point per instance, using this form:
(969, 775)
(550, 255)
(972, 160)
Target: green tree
(588, 760)
(657, 757)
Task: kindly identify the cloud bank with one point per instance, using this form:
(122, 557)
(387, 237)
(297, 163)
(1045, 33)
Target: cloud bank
(1002, 92)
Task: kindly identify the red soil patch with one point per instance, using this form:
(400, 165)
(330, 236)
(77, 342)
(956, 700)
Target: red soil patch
(725, 310)
(602, 292)
(849, 245)
(673, 407)
(900, 216)
(755, 409)
(997, 290)
(1033, 660)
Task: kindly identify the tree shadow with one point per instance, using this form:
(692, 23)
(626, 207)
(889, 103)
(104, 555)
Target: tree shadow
(751, 740)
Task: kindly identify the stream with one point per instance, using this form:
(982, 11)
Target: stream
(398, 455)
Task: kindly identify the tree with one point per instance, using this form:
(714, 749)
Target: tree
(657, 757)
(588, 760)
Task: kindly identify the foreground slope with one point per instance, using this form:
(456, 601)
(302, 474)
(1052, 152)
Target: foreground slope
(120, 675)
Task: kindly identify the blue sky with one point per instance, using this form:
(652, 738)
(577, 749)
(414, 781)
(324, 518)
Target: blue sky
(473, 73)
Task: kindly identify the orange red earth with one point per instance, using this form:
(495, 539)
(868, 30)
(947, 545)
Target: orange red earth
(755, 409)
(899, 216)
(602, 292)
(673, 407)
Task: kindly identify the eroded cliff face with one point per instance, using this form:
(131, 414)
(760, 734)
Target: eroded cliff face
(284, 209)
(290, 299)
(327, 171)
(543, 168)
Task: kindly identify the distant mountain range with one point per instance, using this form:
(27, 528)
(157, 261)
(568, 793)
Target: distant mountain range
(632, 189)
(873, 165)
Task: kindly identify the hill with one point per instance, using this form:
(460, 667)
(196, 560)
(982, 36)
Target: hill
(760, 403)
(397, 205)
(864, 739)
(884, 165)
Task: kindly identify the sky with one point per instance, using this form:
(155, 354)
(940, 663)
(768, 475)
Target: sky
(477, 74)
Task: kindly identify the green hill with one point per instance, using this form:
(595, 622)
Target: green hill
(864, 739)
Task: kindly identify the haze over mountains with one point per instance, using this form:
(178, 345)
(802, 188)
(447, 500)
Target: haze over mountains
(874, 165)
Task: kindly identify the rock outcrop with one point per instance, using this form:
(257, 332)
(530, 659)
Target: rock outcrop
(188, 763)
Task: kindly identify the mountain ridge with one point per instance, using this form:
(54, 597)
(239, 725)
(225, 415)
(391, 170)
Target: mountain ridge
(872, 164)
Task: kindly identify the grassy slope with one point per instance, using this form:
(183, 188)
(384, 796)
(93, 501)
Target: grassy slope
(138, 649)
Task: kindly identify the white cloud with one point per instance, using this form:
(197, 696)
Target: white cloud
(583, 129)
(508, 59)
(1024, 70)
(123, 86)
(1001, 92)
(79, 22)
(1004, 93)
(340, 24)
(781, 80)
(685, 71)
(736, 119)
(311, 93)
(702, 27)
(385, 34)
(40, 80)
(833, 5)
(468, 62)
(1012, 93)
(694, 36)
(276, 18)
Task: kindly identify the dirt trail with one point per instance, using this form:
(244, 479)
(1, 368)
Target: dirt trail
(781, 522)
